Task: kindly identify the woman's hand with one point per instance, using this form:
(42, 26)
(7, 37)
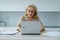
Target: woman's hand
(18, 29)
(42, 29)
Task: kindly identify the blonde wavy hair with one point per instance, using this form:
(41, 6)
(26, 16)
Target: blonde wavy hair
(35, 11)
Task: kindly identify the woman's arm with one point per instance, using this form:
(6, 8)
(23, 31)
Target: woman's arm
(42, 28)
(19, 23)
(18, 27)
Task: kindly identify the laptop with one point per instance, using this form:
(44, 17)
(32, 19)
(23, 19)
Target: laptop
(30, 27)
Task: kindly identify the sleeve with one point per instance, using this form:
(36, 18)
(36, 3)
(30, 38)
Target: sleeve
(40, 21)
(42, 28)
(19, 22)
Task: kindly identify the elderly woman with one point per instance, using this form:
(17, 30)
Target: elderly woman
(30, 15)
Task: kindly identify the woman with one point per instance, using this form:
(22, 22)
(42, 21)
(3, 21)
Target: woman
(30, 15)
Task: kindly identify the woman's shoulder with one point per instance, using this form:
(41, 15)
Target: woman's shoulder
(22, 18)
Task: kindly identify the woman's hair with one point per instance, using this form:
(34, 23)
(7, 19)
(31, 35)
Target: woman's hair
(35, 11)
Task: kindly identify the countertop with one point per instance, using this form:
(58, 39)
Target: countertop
(32, 37)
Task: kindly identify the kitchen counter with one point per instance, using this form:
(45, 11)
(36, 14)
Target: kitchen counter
(30, 37)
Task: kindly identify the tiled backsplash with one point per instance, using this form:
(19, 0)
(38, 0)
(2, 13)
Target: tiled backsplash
(47, 18)
(2, 23)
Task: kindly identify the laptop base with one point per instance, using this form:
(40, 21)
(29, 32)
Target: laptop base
(30, 33)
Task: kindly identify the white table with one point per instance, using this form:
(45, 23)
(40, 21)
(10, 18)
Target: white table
(31, 37)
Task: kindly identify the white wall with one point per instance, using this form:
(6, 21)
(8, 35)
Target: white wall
(20, 5)
(49, 5)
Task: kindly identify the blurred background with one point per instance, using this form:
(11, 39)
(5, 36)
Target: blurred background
(48, 11)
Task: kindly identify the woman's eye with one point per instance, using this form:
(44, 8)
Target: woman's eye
(31, 11)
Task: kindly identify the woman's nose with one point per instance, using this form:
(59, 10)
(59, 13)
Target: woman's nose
(30, 14)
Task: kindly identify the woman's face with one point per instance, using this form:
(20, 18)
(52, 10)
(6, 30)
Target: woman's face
(30, 12)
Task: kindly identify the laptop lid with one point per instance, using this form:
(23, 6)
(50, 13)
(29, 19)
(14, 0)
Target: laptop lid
(30, 27)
